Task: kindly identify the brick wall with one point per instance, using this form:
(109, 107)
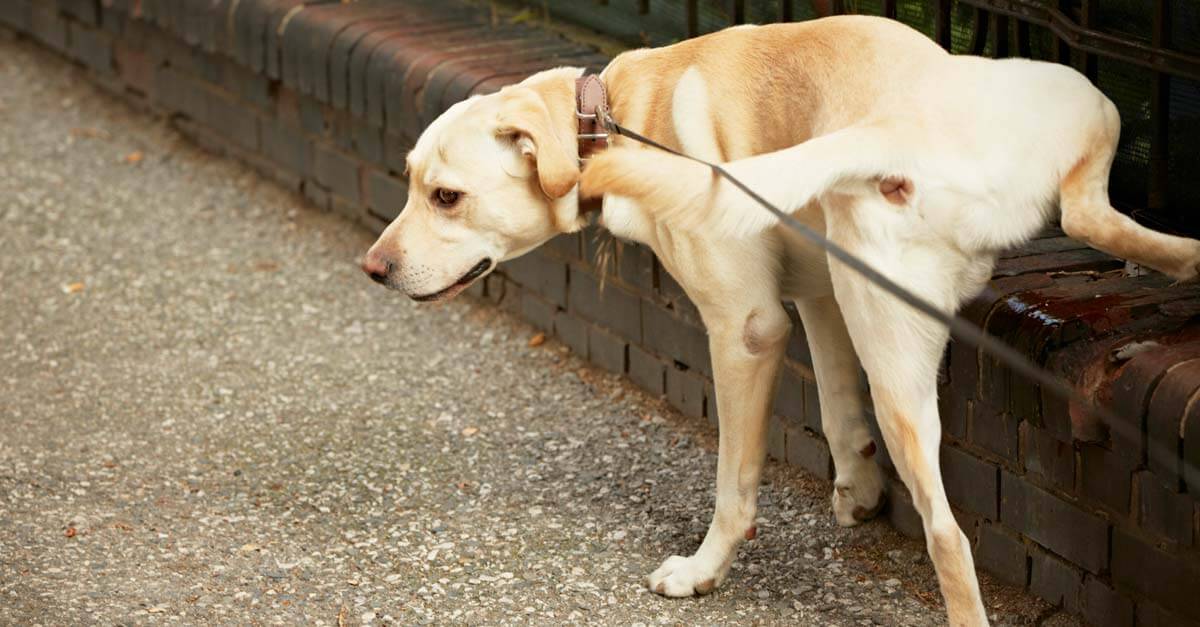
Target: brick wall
(326, 98)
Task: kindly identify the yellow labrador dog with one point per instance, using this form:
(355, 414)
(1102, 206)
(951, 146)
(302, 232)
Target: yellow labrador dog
(925, 164)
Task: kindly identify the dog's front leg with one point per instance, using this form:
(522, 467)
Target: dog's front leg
(747, 345)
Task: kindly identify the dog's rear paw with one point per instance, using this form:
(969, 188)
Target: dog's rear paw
(860, 497)
(684, 577)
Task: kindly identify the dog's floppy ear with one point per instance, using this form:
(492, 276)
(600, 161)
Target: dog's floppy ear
(525, 115)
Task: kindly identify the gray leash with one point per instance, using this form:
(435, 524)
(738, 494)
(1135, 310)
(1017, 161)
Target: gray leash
(959, 327)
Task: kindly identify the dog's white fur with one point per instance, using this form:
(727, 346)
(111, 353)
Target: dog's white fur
(923, 164)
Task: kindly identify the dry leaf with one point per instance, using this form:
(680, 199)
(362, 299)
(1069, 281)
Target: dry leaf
(134, 157)
(470, 431)
(246, 548)
(70, 532)
(157, 609)
(537, 340)
(342, 616)
(73, 288)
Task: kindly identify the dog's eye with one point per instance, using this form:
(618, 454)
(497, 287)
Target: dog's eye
(446, 197)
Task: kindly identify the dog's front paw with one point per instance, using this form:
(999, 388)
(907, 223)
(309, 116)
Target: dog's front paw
(684, 577)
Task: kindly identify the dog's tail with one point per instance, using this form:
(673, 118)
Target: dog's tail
(692, 196)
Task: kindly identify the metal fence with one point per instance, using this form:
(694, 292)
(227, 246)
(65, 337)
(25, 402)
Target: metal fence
(1145, 54)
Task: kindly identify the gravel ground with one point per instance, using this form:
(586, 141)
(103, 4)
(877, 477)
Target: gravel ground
(208, 415)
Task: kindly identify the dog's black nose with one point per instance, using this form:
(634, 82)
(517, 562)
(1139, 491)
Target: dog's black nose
(377, 267)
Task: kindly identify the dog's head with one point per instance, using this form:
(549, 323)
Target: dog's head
(492, 178)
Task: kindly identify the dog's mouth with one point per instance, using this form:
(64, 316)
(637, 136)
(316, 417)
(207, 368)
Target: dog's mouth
(483, 267)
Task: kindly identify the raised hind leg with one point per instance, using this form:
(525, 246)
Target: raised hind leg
(1088, 216)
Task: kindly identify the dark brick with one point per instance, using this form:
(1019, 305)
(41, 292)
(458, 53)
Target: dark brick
(995, 431)
(317, 195)
(1045, 455)
(635, 265)
(93, 48)
(1057, 525)
(1170, 579)
(135, 68)
(806, 450)
(1150, 615)
(606, 350)
(953, 409)
(1055, 580)
(1168, 407)
(386, 194)
(48, 27)
(673, 337)
(1132, 390)
(685, 391)
(1002, 554)
(812, 406)
(711, 409)
(253, 88)
(776, 439)
(1066, 261)
(1105, 607)
(16, 14)
(599, 250)
(542, 274)
(236, 123)
(572, 331)
(797, 347)
(971, 483)
(1162, 511)
(313, 117)
(614, 308)
(901, 512)
(1191, 449)
(336, 171)
(86, 11)
(1105, 477)
(365, 140)
(285, 146)
(647, 371)
(537, 311)
(789, 397)
(567, 245)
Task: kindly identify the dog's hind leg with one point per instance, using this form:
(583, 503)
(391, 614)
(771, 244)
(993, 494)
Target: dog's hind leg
(858, 488)
(900, 350)
(1087, 215)
(748, 332)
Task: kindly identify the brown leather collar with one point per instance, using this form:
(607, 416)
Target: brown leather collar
(590, 94)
